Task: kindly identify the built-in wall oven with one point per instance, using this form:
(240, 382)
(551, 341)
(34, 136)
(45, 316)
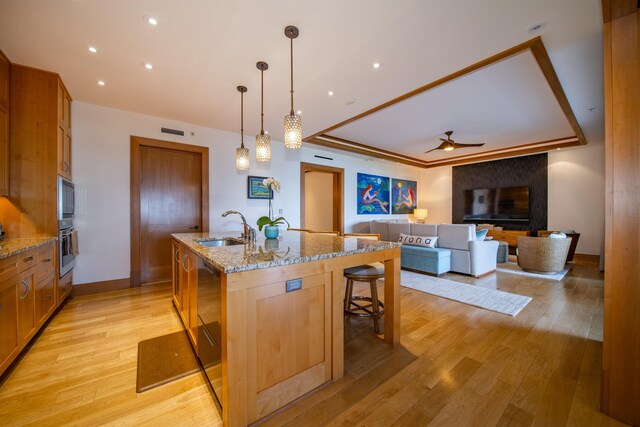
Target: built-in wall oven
(67, 236)
(209, 325)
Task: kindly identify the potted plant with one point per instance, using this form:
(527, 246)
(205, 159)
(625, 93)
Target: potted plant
(271, 230)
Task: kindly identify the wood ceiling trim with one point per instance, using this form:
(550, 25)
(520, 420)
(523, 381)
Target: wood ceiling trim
(519, 150)
(541, 56)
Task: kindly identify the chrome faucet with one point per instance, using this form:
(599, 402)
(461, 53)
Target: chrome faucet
(249, 234)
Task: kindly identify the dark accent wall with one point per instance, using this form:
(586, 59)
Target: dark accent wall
(529, 171)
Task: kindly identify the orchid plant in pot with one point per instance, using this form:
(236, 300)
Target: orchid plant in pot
(270, 224)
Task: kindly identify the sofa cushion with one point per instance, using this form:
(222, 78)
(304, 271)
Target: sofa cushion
(426, 252)
(396, 228)
(456, 236)
(425, 241)
(381, 228)
(424, 229)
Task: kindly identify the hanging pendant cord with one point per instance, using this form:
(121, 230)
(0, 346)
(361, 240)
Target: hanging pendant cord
(242, 119)
(291, 38)
(261, 102)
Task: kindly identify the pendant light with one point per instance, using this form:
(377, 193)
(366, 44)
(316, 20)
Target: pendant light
(292, 122)
(242, 153)
(263, 142)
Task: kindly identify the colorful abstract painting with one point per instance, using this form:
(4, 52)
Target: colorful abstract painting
(403, 196)
(373, 194)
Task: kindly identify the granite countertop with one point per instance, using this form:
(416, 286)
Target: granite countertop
(291, 247)
(14, 246)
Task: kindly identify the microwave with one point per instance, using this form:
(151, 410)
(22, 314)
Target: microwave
(66, 200)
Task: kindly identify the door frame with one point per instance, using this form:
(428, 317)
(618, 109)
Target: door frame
(138, 142)
(338, 192)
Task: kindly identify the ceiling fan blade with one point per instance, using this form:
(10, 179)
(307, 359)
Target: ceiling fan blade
(439, 147)
(456, 145)
(446, 140)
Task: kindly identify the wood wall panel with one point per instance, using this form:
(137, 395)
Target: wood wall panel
(621, 345)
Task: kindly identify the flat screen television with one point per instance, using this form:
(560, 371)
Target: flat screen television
(508, 204)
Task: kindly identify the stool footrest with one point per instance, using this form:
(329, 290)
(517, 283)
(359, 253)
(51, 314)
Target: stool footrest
(365, 308)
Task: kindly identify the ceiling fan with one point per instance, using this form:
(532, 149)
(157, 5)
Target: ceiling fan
(449, 144)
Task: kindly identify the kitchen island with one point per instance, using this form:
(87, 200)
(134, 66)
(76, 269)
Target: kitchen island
(280, 330)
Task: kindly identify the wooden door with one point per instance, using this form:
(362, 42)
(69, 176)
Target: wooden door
(169, 194)
(169, 203)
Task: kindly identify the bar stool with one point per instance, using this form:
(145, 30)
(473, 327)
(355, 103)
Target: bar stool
(373, 308)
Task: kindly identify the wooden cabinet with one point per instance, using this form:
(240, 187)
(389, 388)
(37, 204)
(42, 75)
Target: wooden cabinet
(65, 285)
(509, 236)
(8, 324)
(26, 306)
(64, 132)
(4, 124)
(27, 299)
(185, 287)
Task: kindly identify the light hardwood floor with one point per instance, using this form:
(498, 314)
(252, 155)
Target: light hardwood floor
(457, 365)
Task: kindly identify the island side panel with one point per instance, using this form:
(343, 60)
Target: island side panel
(392, 297)
(271, 351)
(337, 321)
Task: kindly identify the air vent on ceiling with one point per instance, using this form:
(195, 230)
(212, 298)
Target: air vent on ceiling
(172, 131)
(323, 157)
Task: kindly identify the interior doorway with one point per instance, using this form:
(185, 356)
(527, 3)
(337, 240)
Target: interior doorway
(169, 194)
(321, 197)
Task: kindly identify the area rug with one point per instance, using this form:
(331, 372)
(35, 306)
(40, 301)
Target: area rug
(489, 299)
(164, 359)
(513, 268)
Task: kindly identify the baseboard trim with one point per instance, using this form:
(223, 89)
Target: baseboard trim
(97, 287)
(587, 257)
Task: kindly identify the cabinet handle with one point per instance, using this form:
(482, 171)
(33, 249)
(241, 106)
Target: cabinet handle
(195, 227)
(1, 307)
(46, 260)
(27, 289)
(184, 258)
(66, 167)
(27, 259)
(47, 298)
(177, 256)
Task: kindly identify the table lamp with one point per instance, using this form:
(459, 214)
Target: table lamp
(420, 215)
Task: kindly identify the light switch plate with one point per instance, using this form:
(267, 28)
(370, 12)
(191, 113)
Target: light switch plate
(294, 285)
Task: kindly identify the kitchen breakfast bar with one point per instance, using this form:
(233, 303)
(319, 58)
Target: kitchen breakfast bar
(266, 318)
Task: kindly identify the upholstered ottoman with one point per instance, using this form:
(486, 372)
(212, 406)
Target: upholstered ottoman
(434, 261)
(503, 252)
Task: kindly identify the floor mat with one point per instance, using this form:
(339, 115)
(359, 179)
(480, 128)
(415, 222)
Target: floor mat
(164, 359)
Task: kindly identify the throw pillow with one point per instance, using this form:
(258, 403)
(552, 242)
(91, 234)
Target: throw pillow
(426, 241)
(481, 234)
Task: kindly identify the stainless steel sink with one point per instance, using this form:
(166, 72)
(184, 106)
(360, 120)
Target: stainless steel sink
(214, 243)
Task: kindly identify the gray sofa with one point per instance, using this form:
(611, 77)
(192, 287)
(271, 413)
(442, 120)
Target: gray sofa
(456, 249)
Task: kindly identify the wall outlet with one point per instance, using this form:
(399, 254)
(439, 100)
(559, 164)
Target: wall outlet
(280, 211)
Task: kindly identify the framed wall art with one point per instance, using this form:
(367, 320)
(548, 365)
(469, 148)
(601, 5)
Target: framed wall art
(256, 189)
(373, 194)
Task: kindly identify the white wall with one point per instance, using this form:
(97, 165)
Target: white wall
(318, 201)
(101, 166)
(575, 194)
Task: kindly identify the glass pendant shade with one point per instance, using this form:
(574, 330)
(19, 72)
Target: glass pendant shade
(242, 158)
(293, 131)
(263, 148)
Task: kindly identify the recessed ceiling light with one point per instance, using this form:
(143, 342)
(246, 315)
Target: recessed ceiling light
(330, 93)
(350, 101)
(101, 83)
(557, 148)
(148, 66)
(92, 49)
(537, 27)
(299, 112)
(376, 65)
(151, 20)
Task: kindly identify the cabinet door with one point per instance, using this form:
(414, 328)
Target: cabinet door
(4, 151)
(66, 157)
(175, 277)
(65, 284)
(45, 298)
(26, 306)
(61, 96)
(67, 111)
(8, 322)
(193, 297)
(184, 286)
